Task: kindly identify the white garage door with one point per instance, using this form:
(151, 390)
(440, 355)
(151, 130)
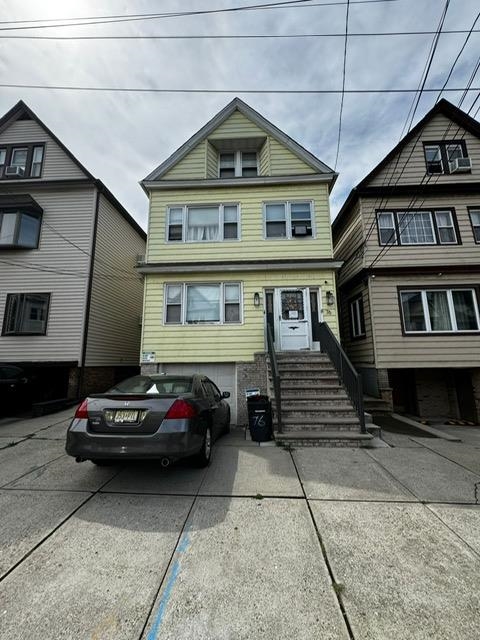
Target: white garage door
(223, 375)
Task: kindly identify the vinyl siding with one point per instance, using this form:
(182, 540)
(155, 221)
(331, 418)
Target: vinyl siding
(348, 246)
(466, 253)
(57, 267)
(57, 165)
(359, 350)
(237, 126)
(117, 292)
(252, 246)
(264, 159)
(193, 166)
(285, 163)
(212, 160)
(394, 350)
(275, 158)
(438, 129)
(221, 343)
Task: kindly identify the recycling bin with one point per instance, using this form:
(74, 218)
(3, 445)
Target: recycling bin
(260, 418)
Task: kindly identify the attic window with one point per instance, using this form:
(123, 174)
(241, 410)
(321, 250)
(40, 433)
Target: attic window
(447, 157)
(21, 161)
(238, 164)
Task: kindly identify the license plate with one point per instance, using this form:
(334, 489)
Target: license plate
(125, 416)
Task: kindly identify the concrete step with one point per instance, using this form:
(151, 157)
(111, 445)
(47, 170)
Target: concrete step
(312, 395)
(295, 366)
(317, 413)
(325, 439)
(308, 375)
(308, 385)
(308, 423)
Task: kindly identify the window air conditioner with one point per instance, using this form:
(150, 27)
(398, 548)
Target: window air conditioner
(460, 165)
(14, 171)
(302, 230)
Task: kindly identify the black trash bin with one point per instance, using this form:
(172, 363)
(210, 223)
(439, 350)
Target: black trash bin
(260, 418)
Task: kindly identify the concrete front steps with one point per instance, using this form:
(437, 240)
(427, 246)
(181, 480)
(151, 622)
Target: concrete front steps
(316, 410)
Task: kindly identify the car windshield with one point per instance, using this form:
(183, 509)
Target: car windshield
(153, 385)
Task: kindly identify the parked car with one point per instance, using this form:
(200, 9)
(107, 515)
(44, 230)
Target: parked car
(150, 416)
(15, 386)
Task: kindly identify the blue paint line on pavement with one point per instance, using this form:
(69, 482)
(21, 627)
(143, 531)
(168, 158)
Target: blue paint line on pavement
(182, 547)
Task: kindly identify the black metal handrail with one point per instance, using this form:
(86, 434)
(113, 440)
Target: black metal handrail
(351, 380)
(275, 377)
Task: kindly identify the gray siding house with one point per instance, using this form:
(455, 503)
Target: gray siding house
(70, 298)
(409, 236)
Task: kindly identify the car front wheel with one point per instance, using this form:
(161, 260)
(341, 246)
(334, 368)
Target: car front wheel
(202, 458)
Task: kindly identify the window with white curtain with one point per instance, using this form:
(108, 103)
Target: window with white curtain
(203, 303)
(439, 310)
(203, 223)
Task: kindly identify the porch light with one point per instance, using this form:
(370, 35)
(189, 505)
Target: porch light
(330, 298)
(256, 299)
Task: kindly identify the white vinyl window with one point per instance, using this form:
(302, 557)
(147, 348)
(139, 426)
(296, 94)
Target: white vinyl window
(37, 159)
(238, 164)
(209, 303)
(26, 314)
(203, 223)
(416, 227)
(439, 310)
(288, 219)
(438, 156)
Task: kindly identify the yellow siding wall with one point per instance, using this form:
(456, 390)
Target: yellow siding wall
(222, 343)
(275, 158)
(191, 167)
(237, 126)
(252, 245)
(285, 163)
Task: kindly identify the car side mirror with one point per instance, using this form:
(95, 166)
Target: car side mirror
(226, 394)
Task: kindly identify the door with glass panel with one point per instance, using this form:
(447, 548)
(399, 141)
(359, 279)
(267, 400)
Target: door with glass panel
(293, 318)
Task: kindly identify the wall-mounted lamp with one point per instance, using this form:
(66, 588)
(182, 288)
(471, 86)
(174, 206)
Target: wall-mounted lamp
(330, 298)
(256, 299)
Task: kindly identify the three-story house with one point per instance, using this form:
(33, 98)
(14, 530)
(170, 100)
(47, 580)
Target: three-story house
(409, 236)
(239, 239)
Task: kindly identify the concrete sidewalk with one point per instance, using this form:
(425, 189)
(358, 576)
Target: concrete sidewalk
(264, 543)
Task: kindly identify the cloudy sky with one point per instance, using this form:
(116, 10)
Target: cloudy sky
(121, 137)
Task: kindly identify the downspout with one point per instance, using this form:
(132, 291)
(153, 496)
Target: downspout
(81, 376)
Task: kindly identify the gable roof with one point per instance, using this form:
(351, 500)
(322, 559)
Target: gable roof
(443, 107)
(238, 105)
(20, 110)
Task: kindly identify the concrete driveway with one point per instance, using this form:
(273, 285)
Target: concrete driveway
(265, 543)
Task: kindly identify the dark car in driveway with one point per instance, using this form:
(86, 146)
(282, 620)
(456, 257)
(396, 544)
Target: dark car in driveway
(167, 417)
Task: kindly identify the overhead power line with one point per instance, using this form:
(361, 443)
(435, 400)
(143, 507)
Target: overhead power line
(343, 86)
(290, 4)
(232, 91)
(243, 36)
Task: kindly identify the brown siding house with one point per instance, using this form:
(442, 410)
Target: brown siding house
(409, 236)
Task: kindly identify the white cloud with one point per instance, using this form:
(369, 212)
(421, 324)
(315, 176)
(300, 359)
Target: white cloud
(122, 137)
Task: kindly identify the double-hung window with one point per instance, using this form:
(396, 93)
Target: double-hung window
(203, 223)
(212, 303)
(26, 314)
(475, 220)
(357, 320)
(416, 227)
(288, 219)
(439, 310)
(440, 157)
(21, 161)
(238, 164)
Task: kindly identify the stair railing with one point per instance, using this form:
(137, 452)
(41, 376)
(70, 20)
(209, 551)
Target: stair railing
(351, 380)
(275, 377)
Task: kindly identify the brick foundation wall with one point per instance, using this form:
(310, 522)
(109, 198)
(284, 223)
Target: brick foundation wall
(250, 374)
(476, 391)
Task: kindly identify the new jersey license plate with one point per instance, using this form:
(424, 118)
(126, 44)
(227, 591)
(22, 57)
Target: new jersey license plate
(126, 416)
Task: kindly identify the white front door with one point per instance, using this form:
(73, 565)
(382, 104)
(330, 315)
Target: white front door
(293, 313)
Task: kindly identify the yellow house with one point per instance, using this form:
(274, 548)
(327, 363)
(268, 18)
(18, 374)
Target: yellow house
(238, 239)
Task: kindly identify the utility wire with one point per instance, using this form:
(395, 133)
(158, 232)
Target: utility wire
(343, 86)
(234, 91)
(246, 36)
(291, 4)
